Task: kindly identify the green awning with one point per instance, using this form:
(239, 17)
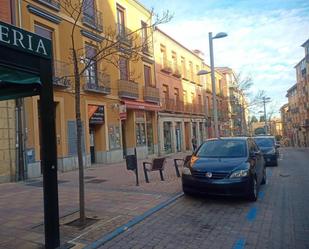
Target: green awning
(17, 84)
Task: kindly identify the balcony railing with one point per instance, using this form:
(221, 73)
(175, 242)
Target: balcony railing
(172, 105)
(128, 89)
(101, 83)
(124, 34)
(151, 94)
(61, 74)
(51, 4)
(166, 66)
(93, 21)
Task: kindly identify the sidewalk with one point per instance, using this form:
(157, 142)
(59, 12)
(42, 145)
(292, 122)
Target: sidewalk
(112, 199)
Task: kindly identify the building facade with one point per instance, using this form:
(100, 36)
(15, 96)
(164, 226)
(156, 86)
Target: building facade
(119, 100)
(237, 105)
(297, 115)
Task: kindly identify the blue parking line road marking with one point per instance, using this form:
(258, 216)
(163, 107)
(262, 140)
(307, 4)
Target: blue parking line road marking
(252, 214)
(240, 244)
(261, 195)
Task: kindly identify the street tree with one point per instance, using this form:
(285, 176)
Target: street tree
(117, 42)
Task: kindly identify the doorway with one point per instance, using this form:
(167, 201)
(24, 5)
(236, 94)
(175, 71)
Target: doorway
(178, 136)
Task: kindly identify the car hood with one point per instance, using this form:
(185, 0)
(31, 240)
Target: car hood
(218, 164)
(266, 149)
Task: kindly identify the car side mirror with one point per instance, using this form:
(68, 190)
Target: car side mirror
(277, 146)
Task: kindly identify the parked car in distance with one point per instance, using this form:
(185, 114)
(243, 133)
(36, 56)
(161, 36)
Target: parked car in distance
(229, 166)
(269, 148)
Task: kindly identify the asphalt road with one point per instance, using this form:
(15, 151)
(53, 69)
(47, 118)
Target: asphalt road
(279, 219)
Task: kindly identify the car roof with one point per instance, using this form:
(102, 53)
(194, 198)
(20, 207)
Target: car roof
(228, 138)
(264, 137)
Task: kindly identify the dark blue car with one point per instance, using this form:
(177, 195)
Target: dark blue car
(225, 166)
(269, 148)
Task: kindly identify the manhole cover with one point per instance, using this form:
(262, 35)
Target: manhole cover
(95, 181)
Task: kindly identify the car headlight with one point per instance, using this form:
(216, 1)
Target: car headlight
(240, 173)
(186, 171)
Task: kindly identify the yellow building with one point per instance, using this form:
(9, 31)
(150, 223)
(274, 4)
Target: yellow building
(116, 114)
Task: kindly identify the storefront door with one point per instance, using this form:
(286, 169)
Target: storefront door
(149, 133)
(167, 137)
(178, 137)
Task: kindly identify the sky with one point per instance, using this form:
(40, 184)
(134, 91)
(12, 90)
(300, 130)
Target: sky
(264, 37)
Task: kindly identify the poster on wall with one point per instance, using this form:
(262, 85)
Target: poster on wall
(114, 137)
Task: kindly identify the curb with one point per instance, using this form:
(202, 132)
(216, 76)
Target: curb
(132, 223)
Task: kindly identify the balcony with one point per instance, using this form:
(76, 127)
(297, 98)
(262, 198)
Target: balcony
(94, 20)
(172, 105)
(151, 94)
(98, 84)
(61, 74)
(124, 35)
(128, 89)
(166, 66)
(53, 4)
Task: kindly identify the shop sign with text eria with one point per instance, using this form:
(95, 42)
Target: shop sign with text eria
(16, 38)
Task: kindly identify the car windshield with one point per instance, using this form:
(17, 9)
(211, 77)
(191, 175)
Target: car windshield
(264, 142)
(223, 149)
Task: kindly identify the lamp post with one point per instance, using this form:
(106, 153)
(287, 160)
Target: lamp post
(213, 81)
(265, 100)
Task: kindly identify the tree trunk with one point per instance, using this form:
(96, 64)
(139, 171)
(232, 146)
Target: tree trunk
(79, 139)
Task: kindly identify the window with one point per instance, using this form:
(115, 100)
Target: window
(163, 54)
(140, 129)
(145, 36)
(185, 96)
(199, 99)
(42, 31)
(176, 93)
(191, 70)
(91, 71)
(88, 9)
(183, 65)
(174, 59)
(208, 103)
(165, 92)
(121, 21)
(192, 98)
(147, 75)
(124, 68)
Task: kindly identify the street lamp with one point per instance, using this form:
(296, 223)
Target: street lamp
(265, 100)
(213, 82)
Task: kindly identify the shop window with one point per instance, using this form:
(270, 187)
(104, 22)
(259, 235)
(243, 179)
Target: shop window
(140, 134)
(140, 129)
(114, 137)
